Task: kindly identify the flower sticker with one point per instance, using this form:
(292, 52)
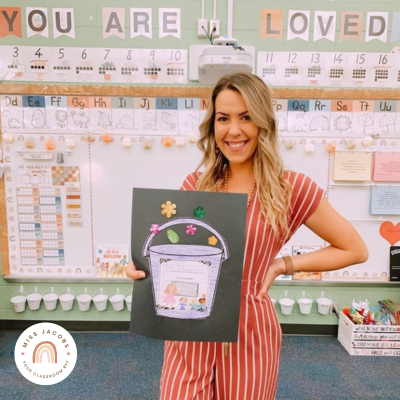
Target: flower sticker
(199, 212)
(190, 230)
(154, 229)
(212, 240)
(168, 209)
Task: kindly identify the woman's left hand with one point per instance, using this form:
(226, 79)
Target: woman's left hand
(277, 268)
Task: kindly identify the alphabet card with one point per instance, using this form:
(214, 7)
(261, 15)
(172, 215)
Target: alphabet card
(352, 166)
(191, 247)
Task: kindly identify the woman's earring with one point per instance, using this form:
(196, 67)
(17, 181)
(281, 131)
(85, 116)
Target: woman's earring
(217, 150)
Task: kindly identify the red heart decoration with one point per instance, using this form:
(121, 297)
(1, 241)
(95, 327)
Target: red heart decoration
(390, 232)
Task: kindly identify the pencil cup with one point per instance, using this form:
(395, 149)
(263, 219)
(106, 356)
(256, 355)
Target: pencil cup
(67, 299)
(286, 302)
(18, 300)
(117, 300)
(324, 303)
(50, 299)
(84, 299)
(100, 300)
(34, 298)
(304, 301)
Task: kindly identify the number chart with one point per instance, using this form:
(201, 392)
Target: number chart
(323, 69)
(93, 65)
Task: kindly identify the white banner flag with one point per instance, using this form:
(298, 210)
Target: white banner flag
(298, 25)
(324, 25)
(37, 22)
(63, 22)
(169, 21)
(141, 22)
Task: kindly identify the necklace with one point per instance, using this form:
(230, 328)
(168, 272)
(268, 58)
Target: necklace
(225, 186)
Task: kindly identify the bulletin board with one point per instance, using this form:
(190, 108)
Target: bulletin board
(68, 207)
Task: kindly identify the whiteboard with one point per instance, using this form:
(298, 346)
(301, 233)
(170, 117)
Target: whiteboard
(108, 172)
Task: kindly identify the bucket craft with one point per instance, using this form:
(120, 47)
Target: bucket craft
(84, 299)
(67, 299)
(34, 298)
(117, 300)
(100, 300)
(305, 301)
(184, 276)
(324, 303)
(18, 300)
(50, 299)
(286, 302)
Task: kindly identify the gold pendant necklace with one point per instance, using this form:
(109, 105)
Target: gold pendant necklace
(225, 186)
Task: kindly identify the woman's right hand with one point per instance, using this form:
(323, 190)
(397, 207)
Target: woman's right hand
(133, 273)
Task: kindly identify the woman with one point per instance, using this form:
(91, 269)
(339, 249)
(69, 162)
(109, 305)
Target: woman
(239, 143)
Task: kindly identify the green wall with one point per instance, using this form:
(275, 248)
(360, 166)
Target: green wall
(246, 28)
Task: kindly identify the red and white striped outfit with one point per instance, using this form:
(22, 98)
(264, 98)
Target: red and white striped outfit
(249, 370)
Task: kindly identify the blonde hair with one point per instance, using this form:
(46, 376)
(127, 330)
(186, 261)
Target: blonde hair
(273, 190)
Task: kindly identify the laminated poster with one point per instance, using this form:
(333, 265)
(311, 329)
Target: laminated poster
(191, 246)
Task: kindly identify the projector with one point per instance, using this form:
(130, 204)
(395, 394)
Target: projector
(225, 56)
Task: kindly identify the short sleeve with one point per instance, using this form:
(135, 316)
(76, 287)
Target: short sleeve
(306, 197)
(190, 182)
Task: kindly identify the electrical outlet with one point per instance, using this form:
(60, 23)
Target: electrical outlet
(202, 25)
(334, 306)
(214, 23)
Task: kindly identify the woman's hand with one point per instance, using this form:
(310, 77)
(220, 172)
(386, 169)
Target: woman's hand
(133, 273)
(277, 268)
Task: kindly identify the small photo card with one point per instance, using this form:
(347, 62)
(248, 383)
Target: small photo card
(306, 276)
(352, 166)
(385, 200)
(386, 167)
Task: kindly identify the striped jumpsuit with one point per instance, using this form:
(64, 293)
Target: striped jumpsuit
(249, 368)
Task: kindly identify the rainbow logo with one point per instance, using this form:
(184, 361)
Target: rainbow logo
(47, 348)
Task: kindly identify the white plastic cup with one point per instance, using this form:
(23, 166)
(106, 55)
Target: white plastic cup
(286, 305)
(128, 300)
(324, 304)
(34, 300)
(100, 301)
(18, 303)
(84, 301)
(117, 301)
(67, 301)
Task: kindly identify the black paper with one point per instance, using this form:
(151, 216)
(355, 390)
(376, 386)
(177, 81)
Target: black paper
(226, 214)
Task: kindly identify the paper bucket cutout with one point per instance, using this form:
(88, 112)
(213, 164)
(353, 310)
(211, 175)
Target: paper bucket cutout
(207, 259)
(128, 301)
(117, 300)
(100, 300)
(18, 300)
(324, 303)
(34, 299)
(286, 302)
(50, 300)
(305, 302)
(84, 299)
